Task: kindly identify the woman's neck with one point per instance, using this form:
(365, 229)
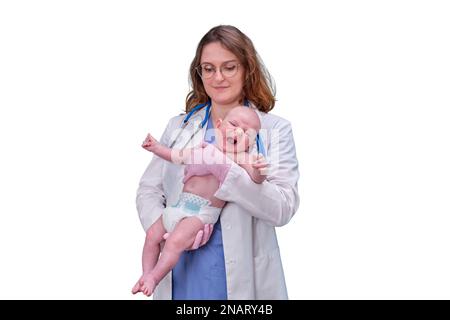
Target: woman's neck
(220, 111)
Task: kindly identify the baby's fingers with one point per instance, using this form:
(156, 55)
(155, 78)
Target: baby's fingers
(264, 171)
(260, 165)
(149, 140)
(259, 161)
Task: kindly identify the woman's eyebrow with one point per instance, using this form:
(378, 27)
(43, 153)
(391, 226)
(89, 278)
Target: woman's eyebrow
(206, 62)
(234, 60)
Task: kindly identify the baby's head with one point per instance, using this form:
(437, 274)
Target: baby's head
(237, 132)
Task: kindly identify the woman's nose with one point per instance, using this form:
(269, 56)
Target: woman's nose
(218, 76)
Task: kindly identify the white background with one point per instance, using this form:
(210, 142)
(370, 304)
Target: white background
(364, 83)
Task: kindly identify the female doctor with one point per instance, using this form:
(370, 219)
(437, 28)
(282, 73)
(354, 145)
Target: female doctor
(240, 258)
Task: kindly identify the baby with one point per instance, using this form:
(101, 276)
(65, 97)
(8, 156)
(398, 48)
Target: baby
(206, 168)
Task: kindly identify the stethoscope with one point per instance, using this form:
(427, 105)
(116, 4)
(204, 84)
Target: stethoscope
(259, 145)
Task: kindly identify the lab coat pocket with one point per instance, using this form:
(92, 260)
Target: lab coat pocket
(269, 276)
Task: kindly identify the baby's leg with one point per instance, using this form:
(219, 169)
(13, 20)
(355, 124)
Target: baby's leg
(181, 238)
(151, 251)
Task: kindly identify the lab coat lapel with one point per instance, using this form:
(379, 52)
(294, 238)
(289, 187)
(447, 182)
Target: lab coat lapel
(186, 138)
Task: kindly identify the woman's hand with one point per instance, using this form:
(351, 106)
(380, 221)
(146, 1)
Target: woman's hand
(201, 238)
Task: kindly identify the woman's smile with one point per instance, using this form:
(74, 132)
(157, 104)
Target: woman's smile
(220, 89)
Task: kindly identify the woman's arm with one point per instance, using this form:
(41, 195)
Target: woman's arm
(150, 199)
(276, 199)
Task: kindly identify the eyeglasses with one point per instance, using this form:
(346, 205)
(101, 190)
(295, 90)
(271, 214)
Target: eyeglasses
(228, 70)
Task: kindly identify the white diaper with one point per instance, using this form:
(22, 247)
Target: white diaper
(189, 205)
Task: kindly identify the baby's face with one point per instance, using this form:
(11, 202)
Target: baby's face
(238, 130)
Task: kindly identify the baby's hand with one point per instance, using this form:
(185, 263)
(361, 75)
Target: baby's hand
(150, 143)
(260, 164)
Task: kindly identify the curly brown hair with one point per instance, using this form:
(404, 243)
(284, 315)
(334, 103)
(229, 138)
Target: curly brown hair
(259, 87)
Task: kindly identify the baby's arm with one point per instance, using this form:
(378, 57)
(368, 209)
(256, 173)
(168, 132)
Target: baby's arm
(257, 169)
(171, 155)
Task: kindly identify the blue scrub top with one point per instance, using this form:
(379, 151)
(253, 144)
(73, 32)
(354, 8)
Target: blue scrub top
(200, 274)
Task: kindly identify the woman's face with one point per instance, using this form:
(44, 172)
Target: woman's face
(221, 89)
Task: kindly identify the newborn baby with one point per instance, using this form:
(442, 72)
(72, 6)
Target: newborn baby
(206, 168)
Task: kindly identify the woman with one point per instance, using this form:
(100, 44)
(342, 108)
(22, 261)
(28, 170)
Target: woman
(240, 259)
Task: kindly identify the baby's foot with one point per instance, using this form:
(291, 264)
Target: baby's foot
(148, 285)
(138, 286)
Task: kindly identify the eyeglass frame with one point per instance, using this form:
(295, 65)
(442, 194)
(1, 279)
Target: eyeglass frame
(199, 67)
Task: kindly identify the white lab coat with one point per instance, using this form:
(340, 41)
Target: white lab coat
(252, 257)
